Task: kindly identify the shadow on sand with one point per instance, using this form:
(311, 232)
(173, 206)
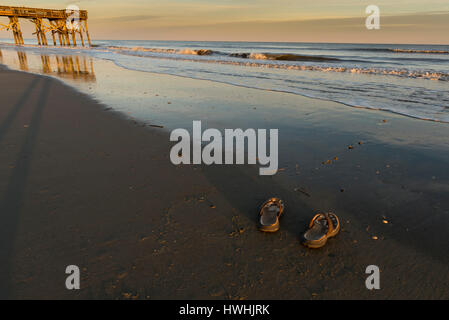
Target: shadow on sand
(12, 201)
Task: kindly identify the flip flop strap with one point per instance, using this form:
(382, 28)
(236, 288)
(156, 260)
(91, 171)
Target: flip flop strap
(318, 215)
(330, 224)
(275, 201)
(336, 221)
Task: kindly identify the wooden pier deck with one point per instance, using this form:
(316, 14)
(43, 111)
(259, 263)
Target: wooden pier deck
(60, 23)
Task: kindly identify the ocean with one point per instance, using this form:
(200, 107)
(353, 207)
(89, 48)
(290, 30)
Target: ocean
(411, 80)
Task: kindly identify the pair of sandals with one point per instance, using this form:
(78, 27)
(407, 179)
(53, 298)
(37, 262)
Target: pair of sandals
(322, 227)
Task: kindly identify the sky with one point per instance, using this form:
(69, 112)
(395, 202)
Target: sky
(402, 21)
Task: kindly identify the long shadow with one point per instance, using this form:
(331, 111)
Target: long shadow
(4, 126)
(12, 202)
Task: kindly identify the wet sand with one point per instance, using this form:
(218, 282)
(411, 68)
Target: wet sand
(83, 185)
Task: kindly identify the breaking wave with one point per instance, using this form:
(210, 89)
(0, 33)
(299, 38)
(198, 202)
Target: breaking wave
(420, 51)
(200, 52)
(143, 52)
(396, 50)
(244, 55)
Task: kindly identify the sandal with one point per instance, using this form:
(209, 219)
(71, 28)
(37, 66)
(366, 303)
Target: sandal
(269, 214)
(322, 227)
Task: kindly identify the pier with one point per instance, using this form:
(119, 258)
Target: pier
(63, 25)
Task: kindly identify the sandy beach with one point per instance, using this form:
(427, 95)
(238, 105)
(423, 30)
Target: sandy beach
(83, 184)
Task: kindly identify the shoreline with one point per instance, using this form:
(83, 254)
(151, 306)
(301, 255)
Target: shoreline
(423, 108)
(93, 188)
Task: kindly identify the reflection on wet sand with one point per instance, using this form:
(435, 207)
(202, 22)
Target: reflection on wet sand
(69, 67)
(23, 61)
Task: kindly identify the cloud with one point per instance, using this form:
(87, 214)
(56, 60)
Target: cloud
(128, 18)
